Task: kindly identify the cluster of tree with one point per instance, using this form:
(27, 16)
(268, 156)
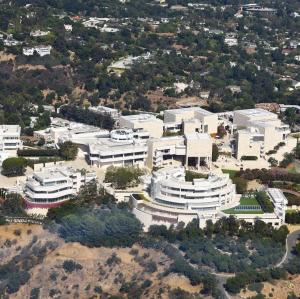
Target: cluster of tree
(221, 246)
(93, 219)
(242, 279)
(88, 196)
(292, 218)
(14, 166)
(87, 116)
(16, 272)
(103, 227)
(268, 176)
(70, 266)
(13, 205)
(123, 177)
(264, 201)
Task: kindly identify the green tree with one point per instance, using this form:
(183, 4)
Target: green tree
(68, 150)
(241, 184)
(14, 166)
(215, 152)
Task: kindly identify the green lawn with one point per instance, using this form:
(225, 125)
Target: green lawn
(233, 211)
(246, 200)
(231, 172)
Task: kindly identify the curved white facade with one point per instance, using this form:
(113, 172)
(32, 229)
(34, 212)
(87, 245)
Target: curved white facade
(174, 200)
(169, 188)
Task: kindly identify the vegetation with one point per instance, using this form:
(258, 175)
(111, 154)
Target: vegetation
(78, 114)
(191, 175)
(38, 152)
(249, 158)
(240, 184)
(14, 166)
(264, 201)
(68, 150)
(123, 177)
(77, 221)
(215, 152)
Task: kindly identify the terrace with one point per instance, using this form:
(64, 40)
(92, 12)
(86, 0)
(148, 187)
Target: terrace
(248, 205)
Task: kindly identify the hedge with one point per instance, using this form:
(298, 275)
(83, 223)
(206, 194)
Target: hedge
(38, 152)
(249, 158)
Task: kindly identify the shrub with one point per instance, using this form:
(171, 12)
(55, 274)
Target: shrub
(249, 158)
(70, 266)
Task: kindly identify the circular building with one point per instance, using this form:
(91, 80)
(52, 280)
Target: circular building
(173, 199)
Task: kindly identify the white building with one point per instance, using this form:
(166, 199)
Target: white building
(259, 131)
(192, 119)
(68, 27)
(194, 149)
(10, 137)
(62, 130)
(53, 186)
(112, 112)
(173, 199)
(143, 125)
(40, 50)
(120, 149)
(39, 33)
(231, 41)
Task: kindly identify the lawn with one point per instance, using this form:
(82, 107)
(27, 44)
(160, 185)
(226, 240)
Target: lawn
(233, 211)
(246, 200)
(231, 172)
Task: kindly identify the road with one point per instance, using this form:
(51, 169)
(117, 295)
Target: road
(290, 243)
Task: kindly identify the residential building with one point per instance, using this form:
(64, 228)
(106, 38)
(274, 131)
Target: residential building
(173, 199)
(10, 137)
(143, 125)
(40, 50)
(39, 33)
(177, 119)
(53, 186)
(68, 27)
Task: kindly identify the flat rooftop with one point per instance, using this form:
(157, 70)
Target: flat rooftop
(197, 136)
(111, 146)
(256, 112)
(141, 117)
(10, 129)
(188, 109)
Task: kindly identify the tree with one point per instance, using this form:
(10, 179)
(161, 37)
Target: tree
(273, 162)
(123, 177)
(68, 150)
(215, 152)
(241, 184)
(14, 166)
(13, 205)
(221, 131)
